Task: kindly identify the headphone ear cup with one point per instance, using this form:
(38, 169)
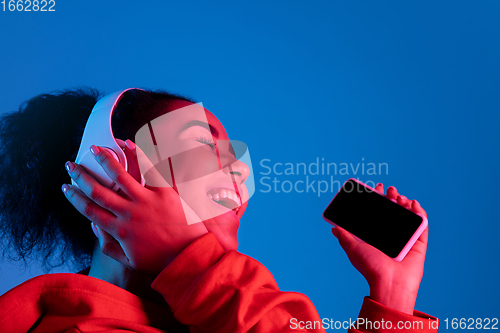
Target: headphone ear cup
(90, 165)
(132, 163)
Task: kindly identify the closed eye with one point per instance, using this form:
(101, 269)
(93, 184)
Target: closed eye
(208, 142)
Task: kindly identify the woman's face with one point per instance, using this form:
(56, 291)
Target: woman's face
(198, 160)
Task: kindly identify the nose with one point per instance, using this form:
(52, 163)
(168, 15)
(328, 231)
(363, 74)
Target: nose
(237, 169)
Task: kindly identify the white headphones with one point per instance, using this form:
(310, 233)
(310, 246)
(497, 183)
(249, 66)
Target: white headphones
(98, 131)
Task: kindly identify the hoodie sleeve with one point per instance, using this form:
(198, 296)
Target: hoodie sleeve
(215, 291)
(375, 317)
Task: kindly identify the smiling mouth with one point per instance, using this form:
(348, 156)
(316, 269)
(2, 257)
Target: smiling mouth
(225, 197)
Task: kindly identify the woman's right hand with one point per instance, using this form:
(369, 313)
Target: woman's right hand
(144, 228)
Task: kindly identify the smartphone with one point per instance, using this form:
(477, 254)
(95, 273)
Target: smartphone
(374, 219)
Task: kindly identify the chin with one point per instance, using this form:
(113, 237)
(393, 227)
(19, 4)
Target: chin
(225, 229)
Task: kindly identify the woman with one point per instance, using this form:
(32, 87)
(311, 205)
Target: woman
(151, 271)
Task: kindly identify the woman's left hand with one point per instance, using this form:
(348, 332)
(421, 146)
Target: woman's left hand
(393, 284)
(143, 228)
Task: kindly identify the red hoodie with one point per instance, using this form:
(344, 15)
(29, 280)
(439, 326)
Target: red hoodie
(207, 290)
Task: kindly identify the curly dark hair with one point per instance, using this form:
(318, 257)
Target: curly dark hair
(37, 222)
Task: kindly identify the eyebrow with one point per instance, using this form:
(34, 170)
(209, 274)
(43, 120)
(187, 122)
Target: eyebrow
(209, 127)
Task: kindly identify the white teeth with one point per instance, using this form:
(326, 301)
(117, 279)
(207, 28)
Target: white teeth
(218, 194)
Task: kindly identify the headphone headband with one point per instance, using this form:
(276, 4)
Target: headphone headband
(98, 131)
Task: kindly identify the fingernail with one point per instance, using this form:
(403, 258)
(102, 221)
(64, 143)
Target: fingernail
(95, 230)
(94, 150)
(69, 166)
(403, 201)
(379, 184)
(415, 201)
(130, 144)
(64, 188)
(334, 232)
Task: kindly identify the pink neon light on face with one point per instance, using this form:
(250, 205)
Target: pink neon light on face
(203, 167)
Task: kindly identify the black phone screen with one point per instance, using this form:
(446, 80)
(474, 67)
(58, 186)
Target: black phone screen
(373, 218)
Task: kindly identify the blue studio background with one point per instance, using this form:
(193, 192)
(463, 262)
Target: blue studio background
(414, 85)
